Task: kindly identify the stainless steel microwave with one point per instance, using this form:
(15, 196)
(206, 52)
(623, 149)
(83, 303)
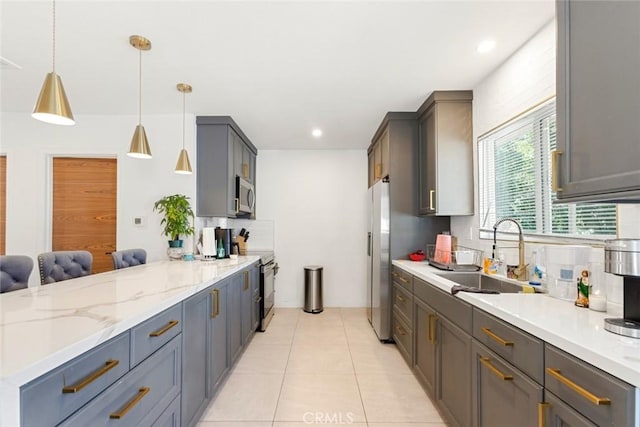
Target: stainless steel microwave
(245, 197)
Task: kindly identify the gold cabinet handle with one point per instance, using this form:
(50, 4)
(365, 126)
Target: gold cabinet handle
(394, 274)
(431, 193)
(486, 362)
(378, 170)
(554, 171)
(496, 338)
(400, 330)
(246, 280)
(400, 298)
(129, 406)
(159, 332)
(215, 303)
(555, 373)
(542, 420)
(432, 327)
(109, 365)
(245, 170)
(403, 280)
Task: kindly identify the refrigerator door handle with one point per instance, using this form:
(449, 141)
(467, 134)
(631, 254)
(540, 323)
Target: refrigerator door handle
(369, 244)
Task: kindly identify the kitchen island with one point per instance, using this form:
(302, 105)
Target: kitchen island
(534, 340)
(42, 328)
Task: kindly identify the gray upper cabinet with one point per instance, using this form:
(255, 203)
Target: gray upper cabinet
(598, 101)
(446, 154)
(223, 152)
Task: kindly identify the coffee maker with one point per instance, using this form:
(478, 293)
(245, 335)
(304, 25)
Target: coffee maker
(622, 258)
(226, 235)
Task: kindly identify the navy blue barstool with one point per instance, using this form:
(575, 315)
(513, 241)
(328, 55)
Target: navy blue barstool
(128, 258)
(14, 272)
(64, 265)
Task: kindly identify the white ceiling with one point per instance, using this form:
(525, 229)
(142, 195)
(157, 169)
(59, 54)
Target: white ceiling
(278, 68)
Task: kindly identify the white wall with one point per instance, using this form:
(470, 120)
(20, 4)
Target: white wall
(29, 145)
(524, 80)
(317, 202)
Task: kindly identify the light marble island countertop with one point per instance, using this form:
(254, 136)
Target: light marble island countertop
(576, 330)
(43, 327)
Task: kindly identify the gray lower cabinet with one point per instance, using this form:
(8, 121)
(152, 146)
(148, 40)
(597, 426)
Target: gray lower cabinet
(246, 305)
(598, 101)
(196, 390)
(425, 345)
(554, 412)
(148, 388)
(403, 336)
(234, 301)
(218, 335)
(171, 416)
(453, 357)
(502, 395)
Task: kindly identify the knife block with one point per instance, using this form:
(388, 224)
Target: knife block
(242, 245)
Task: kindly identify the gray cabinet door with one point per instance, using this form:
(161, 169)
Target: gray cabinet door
(425, 344)
(556, 413)
(217, 316)
(230, 200)
(453, 358)
(234, 314)
(428, 162)
(247, 305)
(598, 103)
(256, 299)
(196, 391)
(502, 396)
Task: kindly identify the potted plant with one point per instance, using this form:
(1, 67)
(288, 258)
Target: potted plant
(177, 218)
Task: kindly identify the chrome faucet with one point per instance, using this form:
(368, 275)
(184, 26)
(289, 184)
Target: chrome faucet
(520, 273)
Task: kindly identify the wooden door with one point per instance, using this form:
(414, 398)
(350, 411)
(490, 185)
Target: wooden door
(3, 204)
(84, 208)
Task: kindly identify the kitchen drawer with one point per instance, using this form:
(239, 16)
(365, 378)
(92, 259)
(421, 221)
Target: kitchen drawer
(402, 278)
(170, 417)
(152, 334)
(517, 347)
(51, 398)
(555, 412)
(403, 336)
(403, 302)
(587, 389)
(502, 396)
(457, 311)
(149, 388)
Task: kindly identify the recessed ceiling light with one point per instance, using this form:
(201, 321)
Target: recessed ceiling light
(486, 46)
(316, 132)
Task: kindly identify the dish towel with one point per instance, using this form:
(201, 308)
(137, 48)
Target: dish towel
(459, 288)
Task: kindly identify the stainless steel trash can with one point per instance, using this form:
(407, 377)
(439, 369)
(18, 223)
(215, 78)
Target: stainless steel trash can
(313, 289)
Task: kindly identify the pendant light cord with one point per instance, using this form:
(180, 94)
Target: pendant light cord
(184, 96)
(140, 88)
(54, 36)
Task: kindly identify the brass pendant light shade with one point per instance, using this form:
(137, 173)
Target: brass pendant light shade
(52, 105)
(139, 148)
(184, 165)
(139, 144)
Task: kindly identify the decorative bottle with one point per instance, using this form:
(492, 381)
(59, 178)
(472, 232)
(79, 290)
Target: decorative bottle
(220, 251)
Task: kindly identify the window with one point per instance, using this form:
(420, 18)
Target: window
(515, 181)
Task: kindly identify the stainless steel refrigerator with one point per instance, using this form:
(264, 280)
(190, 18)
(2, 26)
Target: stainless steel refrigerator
(378, 262)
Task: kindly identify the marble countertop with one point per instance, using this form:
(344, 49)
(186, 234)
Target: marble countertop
(44, 327)
(576, 330)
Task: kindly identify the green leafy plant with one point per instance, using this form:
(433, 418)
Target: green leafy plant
(177, 215)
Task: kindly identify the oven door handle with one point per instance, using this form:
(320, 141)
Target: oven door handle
(275, 269)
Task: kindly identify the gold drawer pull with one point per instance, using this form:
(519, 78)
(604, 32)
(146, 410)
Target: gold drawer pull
(555, 373)
(554, 170)
(496, 338)
(246, 280)
(378, 171)
(403, 280)
(401, 331)
(245, 170)
(432, 327)
(215, 303)
(400, 298)
(109, 365)
(485, 361)
(541, 417)
(129, 406)
(159, 332)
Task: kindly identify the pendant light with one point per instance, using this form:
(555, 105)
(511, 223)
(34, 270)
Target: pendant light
(139, 144)
(52, 105)
(183, 166)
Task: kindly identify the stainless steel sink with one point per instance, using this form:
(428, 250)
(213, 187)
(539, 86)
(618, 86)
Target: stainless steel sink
(478, 280)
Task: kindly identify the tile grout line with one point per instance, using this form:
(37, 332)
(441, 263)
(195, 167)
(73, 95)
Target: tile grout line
(355, 373)
(286, 366)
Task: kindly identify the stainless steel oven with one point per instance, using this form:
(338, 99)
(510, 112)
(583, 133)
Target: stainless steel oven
(268, 273)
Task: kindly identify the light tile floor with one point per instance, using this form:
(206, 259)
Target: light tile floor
(326, 368)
